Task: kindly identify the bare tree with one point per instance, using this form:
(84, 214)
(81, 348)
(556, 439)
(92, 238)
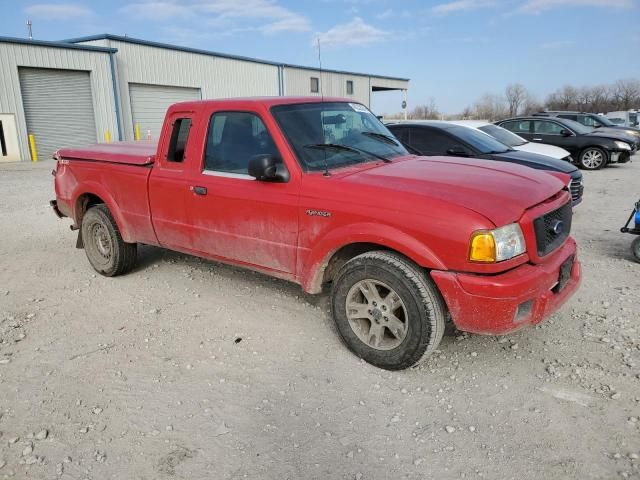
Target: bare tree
(425, 112)
(516, 95)
(490, 107)
(627, 93)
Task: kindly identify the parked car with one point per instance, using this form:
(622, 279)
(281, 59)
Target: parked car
(624, 118)
(591, 148)
(318, 192)
(445, 138)
(514, 141)
(595, 121)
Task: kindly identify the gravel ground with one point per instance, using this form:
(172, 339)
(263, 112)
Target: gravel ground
(190, 369)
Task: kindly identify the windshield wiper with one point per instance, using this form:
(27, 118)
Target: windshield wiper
(345, 148)
(381, 136)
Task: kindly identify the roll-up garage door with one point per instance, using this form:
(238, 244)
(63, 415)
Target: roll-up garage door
(58, 106)
(149, 103)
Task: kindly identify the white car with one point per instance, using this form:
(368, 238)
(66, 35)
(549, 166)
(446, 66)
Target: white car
(514, 141)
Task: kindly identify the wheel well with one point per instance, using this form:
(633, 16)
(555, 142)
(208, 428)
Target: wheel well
(343, 255)
(84, 202)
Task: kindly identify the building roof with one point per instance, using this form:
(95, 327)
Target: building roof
(46, 43)
(148, 43)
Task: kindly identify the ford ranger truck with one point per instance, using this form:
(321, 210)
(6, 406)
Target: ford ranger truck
(320, 193)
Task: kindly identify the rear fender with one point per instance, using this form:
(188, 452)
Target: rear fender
(94, 188)
(312, 272)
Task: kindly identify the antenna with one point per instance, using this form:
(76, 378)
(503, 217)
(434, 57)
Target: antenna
(326, 165)
(29, 29)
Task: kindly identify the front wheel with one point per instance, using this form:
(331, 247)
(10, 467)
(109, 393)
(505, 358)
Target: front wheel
(635, 249)
(107, 252)
(593, 158)
(387, 310)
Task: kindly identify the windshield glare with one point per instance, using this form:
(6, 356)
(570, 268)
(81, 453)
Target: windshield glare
(341, 123)
(479, 140)
(503, 135)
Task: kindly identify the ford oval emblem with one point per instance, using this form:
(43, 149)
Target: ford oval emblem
(556, 227)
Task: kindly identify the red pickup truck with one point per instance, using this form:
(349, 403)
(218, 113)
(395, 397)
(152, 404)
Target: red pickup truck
(318, 192)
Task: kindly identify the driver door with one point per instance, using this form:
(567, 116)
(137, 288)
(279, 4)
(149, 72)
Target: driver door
(234, 216)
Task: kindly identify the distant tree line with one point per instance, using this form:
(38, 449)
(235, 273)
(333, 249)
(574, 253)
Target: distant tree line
(518, 100)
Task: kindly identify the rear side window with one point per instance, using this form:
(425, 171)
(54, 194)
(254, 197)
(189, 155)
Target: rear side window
(233, 139)
(431, 142)
(178, 141)
(547, 128)
(519, 126)
(575, 118)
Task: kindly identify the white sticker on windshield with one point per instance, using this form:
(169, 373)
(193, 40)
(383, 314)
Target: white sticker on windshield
(359, 108)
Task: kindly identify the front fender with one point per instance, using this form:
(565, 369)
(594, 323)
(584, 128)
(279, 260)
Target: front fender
(97, 189)
(386, 236)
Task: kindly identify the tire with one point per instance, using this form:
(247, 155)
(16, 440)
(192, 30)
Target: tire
(635, 249)
(387, 291)
(593, 158)
(107, 252)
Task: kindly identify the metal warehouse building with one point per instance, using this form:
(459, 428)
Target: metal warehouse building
(86, 90)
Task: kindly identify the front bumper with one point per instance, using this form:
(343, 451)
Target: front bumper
(497, 304)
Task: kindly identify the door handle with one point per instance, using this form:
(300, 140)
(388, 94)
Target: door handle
(537, 139)
(199, 190)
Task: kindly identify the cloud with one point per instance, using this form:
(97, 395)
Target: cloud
(58, 11)
(388, 13)
(266, 16)
(538, 6)
(462, 6)
(354, 33)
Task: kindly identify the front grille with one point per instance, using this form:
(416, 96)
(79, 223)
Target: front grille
(552, 229)
(576, 188)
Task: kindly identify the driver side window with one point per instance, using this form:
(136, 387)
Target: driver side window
(233, 139)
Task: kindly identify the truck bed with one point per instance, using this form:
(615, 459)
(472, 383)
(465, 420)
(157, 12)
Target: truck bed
(127, 153)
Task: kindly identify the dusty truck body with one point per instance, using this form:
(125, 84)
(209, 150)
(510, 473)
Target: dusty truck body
(320, 193)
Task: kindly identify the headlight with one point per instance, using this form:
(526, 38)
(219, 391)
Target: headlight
(491, 246)
(622, 145)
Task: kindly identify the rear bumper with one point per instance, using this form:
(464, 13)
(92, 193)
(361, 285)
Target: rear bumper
(497, 304)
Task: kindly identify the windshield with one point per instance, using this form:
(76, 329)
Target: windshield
(577, 127)
(603, 121)
(479, 140)
(503, 135)
(309, 126)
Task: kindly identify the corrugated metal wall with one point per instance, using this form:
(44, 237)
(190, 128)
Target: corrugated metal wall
(297, 81)
(14, 55)
(215, 77)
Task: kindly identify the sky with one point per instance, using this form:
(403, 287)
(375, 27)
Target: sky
(453, 51)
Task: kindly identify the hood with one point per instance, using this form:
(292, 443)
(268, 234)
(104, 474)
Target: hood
(534, 160)
(543, 149)
(613, 135)
(499, 191)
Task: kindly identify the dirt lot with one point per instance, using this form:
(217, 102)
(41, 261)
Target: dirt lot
(190, 369)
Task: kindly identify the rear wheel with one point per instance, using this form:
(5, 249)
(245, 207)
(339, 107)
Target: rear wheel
(593, 158)
(107, 252)
(387, 310)
(635, 249)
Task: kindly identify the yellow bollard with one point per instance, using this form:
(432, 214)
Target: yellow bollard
(32, 147)
(107, 136)
(137, 132)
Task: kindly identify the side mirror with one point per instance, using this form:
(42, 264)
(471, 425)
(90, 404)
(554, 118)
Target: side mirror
(565, 133)
(268, 168)
(458, 152)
